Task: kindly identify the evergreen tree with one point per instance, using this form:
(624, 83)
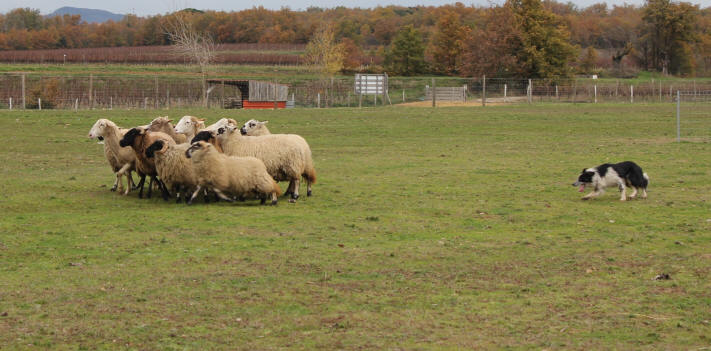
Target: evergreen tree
(407, 53)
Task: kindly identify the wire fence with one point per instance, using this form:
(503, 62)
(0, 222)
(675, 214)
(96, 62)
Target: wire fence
(693, 115)
(34, 91)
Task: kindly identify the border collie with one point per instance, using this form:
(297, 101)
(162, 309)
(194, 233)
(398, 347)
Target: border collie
(623, 175)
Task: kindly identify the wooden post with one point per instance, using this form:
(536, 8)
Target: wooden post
(23, 92)
(530, 91)
(631, 93)
(360, 99)
(111, 103)
(617, 87)
(156, 92)
(434, 93)
(678, 116)
(464, 92)
(403, 96)
(145, 103)
(39, 103)
(11, 103)
(318, 100)
(660, 91)
(575, 89)
(91, 91)
(483, 91)
(167, 99)
(595, 92)
(223, 93)
(275, 96)
(375, 99)
(556, 92)
(505, 88)
(76, 105)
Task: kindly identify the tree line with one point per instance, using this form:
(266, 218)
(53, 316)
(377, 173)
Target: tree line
(527, 38)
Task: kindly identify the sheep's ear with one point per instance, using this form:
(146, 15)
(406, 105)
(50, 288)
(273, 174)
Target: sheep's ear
(265, 122)
(201, 120)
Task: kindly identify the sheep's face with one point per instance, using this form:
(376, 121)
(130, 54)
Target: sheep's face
(197, 148)
(251, 126)
(204, 135)
(188, 124)
(222, 123)
(129, 138)
(159, 123)
(158, 147)
(97, 131)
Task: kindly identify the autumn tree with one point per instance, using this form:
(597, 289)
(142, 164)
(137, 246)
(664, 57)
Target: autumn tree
(352, 55)
(323, 54)
(545, 50)
(448, 43)
(491, 50)
(406, 55)
(668, 32)
(587, 65)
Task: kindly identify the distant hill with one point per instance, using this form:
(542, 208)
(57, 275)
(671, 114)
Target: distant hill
(88, 15)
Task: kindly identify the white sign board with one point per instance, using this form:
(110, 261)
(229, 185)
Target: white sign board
(371, 84)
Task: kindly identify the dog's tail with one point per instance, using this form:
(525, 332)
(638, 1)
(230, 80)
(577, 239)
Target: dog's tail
(645, 182)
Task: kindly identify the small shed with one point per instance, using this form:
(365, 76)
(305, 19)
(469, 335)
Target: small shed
(249, 94)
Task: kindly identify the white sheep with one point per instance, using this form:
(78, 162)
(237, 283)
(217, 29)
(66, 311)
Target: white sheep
(236, 176)
(162, 124)
(122, 160)
(255, 128)
(173, 167)
(222, 123)
(189, 125)
(286, 156)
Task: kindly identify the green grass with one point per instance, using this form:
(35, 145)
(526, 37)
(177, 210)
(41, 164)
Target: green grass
(449, 228)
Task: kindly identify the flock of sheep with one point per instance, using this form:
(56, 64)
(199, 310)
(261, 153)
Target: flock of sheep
(189, 159)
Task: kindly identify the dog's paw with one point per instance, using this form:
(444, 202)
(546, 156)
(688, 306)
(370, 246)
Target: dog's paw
(623, 199)
(585, 198)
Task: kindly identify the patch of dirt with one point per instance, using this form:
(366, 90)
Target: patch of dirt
(469, 103)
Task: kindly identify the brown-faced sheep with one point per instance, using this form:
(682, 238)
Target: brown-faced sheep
(284, 155)
(163, 125)
(139, 139)
(122, 160)
(236, 176)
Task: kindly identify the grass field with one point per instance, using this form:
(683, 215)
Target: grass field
(449, 228)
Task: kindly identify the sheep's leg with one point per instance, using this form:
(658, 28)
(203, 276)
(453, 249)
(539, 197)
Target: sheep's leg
(195, 194)
(274, 198)
(150, 187)
(116, 182)
(308, 187)
(219, 193)
(290, 189)
(176, 189)
(140, 186)
(262, 199)
(206, 196)
(295, 194)
(163, 189)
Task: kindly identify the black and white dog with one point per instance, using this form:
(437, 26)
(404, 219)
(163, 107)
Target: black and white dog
(623, 175)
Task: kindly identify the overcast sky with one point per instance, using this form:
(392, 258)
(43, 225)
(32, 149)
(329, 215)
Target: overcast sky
(143, 7)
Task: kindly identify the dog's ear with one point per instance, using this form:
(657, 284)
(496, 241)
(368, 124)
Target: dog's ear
(583, 171)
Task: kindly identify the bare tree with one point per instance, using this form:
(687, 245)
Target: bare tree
(188, 42)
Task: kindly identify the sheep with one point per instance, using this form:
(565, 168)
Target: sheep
(121, 160)
(189, 125)
(139, 139)
(173, 168)
(162, 124)
(255, 128)
(286, 156)
(223, 122)
(237, 176)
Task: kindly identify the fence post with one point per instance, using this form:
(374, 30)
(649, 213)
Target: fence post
(483, 91)
(39, 103)
(23, 92)
(223, 93)
(11, 103)
(76, 105)
(403, 95)
(631, 94)
(617, 87)
(91, 91)
(678, 116)
(434, 93)
(660, 91)
(505, 87)
(464, 92)
(145, 103)
(318, 100)
(375, 100)
(360, 99)
(595, 92)
(275, 95)
(167, 99)
(156, 92)
(111, 102)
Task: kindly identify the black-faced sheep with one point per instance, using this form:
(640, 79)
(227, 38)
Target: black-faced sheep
(139, 139)
(121, 160)
(174, 169)
(231, 175)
